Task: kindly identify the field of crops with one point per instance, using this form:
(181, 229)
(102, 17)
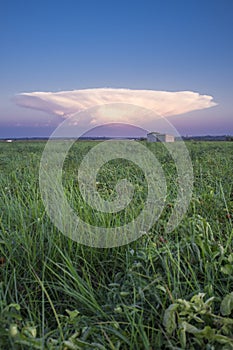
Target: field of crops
(162, 291)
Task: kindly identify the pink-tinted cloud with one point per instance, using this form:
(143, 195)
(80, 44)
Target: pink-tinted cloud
(67, 103)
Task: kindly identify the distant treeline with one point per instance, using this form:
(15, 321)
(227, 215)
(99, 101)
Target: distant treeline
(208, 138)
(101, 138)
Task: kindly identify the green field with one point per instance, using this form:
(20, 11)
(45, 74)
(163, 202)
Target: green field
(163, 291)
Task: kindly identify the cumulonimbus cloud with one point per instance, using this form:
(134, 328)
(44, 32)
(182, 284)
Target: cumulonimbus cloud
(67, 103)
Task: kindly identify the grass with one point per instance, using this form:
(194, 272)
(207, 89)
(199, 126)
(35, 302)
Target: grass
(57, 294)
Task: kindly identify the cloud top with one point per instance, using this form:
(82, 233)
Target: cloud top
(67, 103)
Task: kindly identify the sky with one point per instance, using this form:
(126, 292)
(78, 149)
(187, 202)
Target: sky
(156, 45)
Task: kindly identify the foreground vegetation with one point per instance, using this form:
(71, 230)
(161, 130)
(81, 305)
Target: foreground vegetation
(163, 291)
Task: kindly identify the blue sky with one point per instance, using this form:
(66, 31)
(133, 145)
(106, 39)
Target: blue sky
(152, 44)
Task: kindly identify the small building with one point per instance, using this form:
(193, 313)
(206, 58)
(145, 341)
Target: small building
(9, 141)
(157, 137)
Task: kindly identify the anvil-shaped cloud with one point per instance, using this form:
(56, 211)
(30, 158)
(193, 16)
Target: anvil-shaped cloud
(67, 103)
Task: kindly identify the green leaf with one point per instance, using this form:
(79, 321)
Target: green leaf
(209, 301)
(73, 314)
(207, 333)
(29, 331)
(98, 346)
(162, 288)
(13, 306)
(222, 339)
(31, 343)
(227, 347)
(227, 305)
(182, 337)
(169, 319)
(189, 328)
(14, 330)
(227, 269)
(69, 345)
